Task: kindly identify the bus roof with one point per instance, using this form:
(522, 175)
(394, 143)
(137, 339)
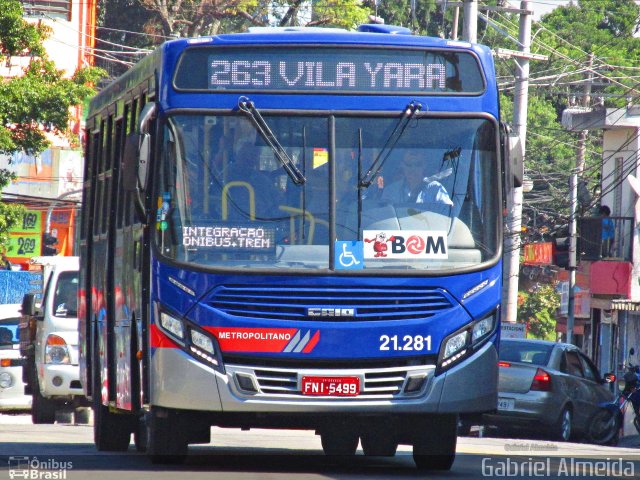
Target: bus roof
(165, 57)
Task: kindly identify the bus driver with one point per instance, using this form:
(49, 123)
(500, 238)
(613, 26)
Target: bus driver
(413, 187)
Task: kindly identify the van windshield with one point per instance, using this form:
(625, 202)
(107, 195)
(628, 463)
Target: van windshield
(65, 300)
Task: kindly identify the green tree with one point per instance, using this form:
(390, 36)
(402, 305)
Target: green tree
(538, 309)
(39, 100)
(189, 18)
(10, 214)
(34, 103)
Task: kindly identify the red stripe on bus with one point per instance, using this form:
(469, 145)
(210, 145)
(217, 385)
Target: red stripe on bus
(158, 339)
(312, 343)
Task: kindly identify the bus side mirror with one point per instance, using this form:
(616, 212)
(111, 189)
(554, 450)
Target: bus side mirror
(136, 161)
(29, 304)
(516, 159)
(137, 152)
(130, 163)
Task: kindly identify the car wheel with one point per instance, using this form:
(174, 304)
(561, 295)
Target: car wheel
(562, 429)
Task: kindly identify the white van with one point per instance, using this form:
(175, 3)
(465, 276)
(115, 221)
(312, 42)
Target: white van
(52, 369)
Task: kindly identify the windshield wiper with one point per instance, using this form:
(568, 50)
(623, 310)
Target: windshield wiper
(376, 166)
(247, 107)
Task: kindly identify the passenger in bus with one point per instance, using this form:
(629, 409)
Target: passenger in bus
(414, 186)
(246, 169)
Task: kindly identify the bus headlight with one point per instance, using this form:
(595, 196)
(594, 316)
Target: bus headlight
(172, 325)
(56, 350)
(203, 347)
(202, 341)
(463, 342)
(455, 344)
(482, 328)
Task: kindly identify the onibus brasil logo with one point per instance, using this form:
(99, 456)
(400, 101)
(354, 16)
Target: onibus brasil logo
(38, 469)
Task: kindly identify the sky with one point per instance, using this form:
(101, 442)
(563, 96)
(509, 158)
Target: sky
(541, 7)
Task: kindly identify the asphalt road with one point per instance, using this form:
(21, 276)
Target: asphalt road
(66, 451)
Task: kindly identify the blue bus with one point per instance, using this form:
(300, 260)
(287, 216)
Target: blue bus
(294, 228)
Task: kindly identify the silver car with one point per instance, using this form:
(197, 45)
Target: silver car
(546, 387)
(12, 395)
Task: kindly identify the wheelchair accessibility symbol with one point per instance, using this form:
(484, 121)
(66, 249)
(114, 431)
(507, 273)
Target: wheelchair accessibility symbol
(349, 255)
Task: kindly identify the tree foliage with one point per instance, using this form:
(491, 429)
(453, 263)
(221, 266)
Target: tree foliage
(10, 214)
(35, 103)
(190, 18)
(538, 308)
(38, 101)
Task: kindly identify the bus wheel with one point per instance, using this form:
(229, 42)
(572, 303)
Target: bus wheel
(378, 445)
(435, 446)
(43, 410)
(339, 443)
(165, 443)
(111, 431)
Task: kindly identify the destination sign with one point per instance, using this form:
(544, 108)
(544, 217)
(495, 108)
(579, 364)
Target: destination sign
(238, 238)
(335, 70)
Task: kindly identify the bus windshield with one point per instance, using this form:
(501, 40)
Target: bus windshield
(431, 203)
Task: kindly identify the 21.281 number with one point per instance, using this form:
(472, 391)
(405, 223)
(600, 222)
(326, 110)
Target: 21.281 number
(408, 342)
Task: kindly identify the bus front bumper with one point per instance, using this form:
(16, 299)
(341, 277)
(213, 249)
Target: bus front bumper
(179, 381)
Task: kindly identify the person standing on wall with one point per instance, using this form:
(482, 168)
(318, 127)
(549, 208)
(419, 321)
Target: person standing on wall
(608, 231)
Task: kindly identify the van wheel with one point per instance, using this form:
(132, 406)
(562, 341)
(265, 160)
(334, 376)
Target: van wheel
(43, 410)
(82, 415)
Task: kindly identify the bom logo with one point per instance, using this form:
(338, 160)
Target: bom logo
(414, 244)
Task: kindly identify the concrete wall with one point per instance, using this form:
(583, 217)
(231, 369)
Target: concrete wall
(620, 148)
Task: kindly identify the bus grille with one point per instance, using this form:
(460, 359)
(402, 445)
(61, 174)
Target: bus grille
(291, 303)
(379, 383)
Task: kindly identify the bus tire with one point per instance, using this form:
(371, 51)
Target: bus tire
(435, 449)
(43, 410)
(339, 443)
(111, 431)
(378, 444)
(165, 442)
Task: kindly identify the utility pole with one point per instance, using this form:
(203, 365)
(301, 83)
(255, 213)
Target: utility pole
(456, 16)
(470, 26)
(513, 225)
(573, 203)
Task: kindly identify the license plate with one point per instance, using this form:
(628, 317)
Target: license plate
(331, 386)
(506, 404)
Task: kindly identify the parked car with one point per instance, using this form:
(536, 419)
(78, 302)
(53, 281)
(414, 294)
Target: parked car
(548, 387)
(12, 396)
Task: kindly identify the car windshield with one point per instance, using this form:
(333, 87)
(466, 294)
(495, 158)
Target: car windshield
(373, 195)
(525, 352)
(9, 332)
(65, 300)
